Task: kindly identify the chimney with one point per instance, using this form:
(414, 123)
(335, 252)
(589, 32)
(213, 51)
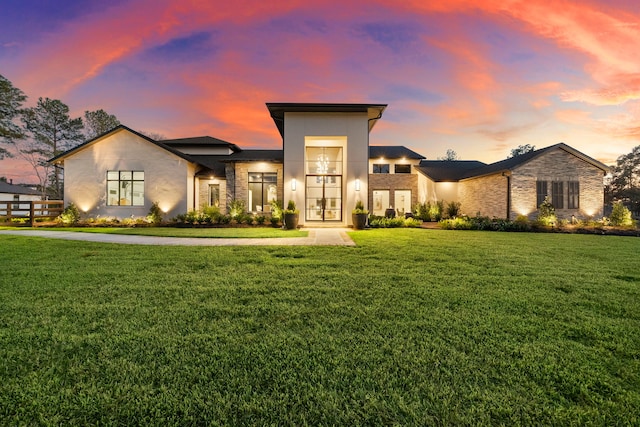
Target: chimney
(11, 181)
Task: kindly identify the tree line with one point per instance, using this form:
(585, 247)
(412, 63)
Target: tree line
(37, 134)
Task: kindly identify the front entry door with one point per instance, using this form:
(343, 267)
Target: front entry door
(324, 198)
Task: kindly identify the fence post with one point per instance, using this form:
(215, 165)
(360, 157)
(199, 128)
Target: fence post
(32, 214)
(9, 206)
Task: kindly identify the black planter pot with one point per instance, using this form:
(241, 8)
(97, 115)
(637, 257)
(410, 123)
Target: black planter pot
(359, 220)
(290, 221)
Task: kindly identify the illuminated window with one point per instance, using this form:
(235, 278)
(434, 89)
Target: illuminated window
(573, 195)
(125, 188)
(262, 190)
(402, 168)
(380, 168)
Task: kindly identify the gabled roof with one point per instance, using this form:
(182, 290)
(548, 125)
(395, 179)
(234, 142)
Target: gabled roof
(207, 141)
(458, 170)
(277, 110)
(7, 188)
(118, 128)
(446, 170)
(392, 152)
(514, 162)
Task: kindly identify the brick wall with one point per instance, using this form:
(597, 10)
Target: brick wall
(485, 195)
(557, 165)
(392, 182)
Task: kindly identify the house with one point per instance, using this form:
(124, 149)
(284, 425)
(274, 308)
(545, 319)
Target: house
(16, 194)
(325, 166)
(516, 186)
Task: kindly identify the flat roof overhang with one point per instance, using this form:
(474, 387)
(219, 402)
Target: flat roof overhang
(277, 110)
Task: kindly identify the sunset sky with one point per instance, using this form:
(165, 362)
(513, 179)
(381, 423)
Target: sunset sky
(480, 77)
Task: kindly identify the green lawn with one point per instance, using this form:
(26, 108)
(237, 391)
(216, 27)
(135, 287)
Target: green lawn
(411, 327)
(229, 232)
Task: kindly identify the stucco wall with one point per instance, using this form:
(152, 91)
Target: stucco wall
(353, 130)
(557, 165)
(485, 195)
(168, 178)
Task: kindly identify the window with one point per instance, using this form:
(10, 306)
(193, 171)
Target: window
(380, 201)
(573, 195)
(380, 168)
(402, 199)
(402, 168)
(125, 188)
(214, 194)
(541, 192)
(557, 194)
(262, 190)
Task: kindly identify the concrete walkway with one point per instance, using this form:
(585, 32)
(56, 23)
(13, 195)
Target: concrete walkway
(317, 237)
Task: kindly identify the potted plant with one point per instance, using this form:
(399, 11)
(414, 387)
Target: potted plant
(291, 216)
(359, 216)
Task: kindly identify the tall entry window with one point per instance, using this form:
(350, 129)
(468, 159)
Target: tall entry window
(323, 167)
(262, 190)
(125, 188)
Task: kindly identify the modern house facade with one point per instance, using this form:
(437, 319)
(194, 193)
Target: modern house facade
(326, 165)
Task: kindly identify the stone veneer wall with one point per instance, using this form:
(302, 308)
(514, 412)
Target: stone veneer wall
(203, 193)
(392, 182)
(486, 195)
(557, 165)
(238, 179)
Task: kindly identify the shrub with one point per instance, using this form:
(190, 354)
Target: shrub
(260, 219)
(291, 208)
(236, 208)
(384, 222)
(453, 209)
(359, 209)
(276, 210)
(70, 215)
(621, 216)
(421, 211)
(546, 213)
(155, 214)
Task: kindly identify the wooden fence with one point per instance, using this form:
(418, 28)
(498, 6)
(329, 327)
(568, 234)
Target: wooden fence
(29, 210)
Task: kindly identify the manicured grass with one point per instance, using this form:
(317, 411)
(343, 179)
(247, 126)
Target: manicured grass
(231, 232)
(411, 327)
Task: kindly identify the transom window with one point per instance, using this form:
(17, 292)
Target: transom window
(402, 168)
(125, 188)
(263, 189)
(380, 168)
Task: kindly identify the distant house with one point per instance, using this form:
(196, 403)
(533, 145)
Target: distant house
(326, 165)
(16, 194)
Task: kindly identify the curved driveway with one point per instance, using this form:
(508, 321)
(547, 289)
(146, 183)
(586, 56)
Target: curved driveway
(317, 236)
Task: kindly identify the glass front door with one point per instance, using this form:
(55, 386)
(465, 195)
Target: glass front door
(324, 198)
(323, 195)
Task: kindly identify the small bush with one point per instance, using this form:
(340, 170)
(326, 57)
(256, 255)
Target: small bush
(155, 214)
(621, 216)
(260, 219)
(546, 213)
(236, 208)
(276, 211)
(453, 209)
(70, 215)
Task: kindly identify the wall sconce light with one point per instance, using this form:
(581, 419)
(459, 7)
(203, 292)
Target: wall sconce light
(357, 185)
(293, 184)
